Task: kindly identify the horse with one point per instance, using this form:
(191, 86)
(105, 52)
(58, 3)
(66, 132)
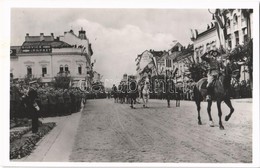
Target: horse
(145, 92)
(115, 94)
(132, 92)
(221, 91)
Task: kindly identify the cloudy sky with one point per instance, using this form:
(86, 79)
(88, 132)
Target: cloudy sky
(117, 35)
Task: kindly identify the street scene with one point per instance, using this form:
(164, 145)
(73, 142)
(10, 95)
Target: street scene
(131, 85)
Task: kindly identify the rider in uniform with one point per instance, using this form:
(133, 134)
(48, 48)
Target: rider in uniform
(213, 70)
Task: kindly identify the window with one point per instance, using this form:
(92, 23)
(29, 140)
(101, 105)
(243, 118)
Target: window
(235, 19)
(80, 69)
(44, 71)
(201, 50)
(66, 68)
(228, 23)
(29, 70)
(61, 68)
(208, 47)
(229, 42)
(237, 37)
(213, 46)
(245, 35)
(168, 63)
(242, 17)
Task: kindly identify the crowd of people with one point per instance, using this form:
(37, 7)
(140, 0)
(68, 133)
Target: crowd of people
(51, 101)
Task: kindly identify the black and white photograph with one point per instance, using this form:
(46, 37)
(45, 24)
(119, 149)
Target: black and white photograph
(133, 85)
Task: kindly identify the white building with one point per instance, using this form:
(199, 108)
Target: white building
(45, 57)
(205, 41)
(239, 26)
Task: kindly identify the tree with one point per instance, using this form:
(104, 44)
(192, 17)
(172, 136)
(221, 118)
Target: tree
(29, 78)
(62, 81)
(197, 71)
(244, 54)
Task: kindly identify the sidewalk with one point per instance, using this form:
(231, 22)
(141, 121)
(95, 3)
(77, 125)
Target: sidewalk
(57, 145)
(243, 100)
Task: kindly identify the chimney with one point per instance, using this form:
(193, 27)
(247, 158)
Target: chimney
(41, 36)
(52, 34)
(27, 37)
(82, 34)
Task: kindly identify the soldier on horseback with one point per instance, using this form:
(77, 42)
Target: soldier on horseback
(214, 65)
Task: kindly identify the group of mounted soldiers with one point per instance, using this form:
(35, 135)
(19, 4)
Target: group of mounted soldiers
(132, 91)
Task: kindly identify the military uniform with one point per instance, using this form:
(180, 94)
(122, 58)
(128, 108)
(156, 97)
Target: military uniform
(32, 95)
(60, 102)
(67, 102)
(213, 69)
(52, 103)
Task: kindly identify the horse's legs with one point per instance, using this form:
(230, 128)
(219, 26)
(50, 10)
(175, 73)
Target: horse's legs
(143, 101)
(132, 102)
(198, 109)
(220, 114)
(229, 104)
(147, 98)
(209, 113)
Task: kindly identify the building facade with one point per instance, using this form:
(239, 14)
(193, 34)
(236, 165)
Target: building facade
(239, 24)
(46, 56)
(205, 41)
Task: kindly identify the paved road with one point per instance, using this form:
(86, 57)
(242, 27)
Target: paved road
(110, 132)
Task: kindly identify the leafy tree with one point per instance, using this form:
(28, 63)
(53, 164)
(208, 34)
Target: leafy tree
(62, 80)
(244, 54)
(29, 78)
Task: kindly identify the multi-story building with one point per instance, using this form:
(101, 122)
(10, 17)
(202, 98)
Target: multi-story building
(239, 24)
(182, 62)
(205, 41)
(168, 59)
(46, 56)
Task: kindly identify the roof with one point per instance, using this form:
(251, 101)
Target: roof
(206, 31)
(53, 44)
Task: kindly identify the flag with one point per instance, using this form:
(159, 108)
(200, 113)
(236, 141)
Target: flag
(192, 33)
(196, 33)
(155, 64)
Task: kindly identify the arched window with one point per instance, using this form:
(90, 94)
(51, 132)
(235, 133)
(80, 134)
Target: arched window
(66, 68)
(235, 19)
(29, 70)
(61, 68)
(228, 23)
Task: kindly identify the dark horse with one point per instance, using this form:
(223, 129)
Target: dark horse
(221, 92)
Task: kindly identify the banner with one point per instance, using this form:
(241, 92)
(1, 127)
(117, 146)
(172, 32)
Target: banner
(146, 58)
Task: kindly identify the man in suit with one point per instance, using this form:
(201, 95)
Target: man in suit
(32, 106)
